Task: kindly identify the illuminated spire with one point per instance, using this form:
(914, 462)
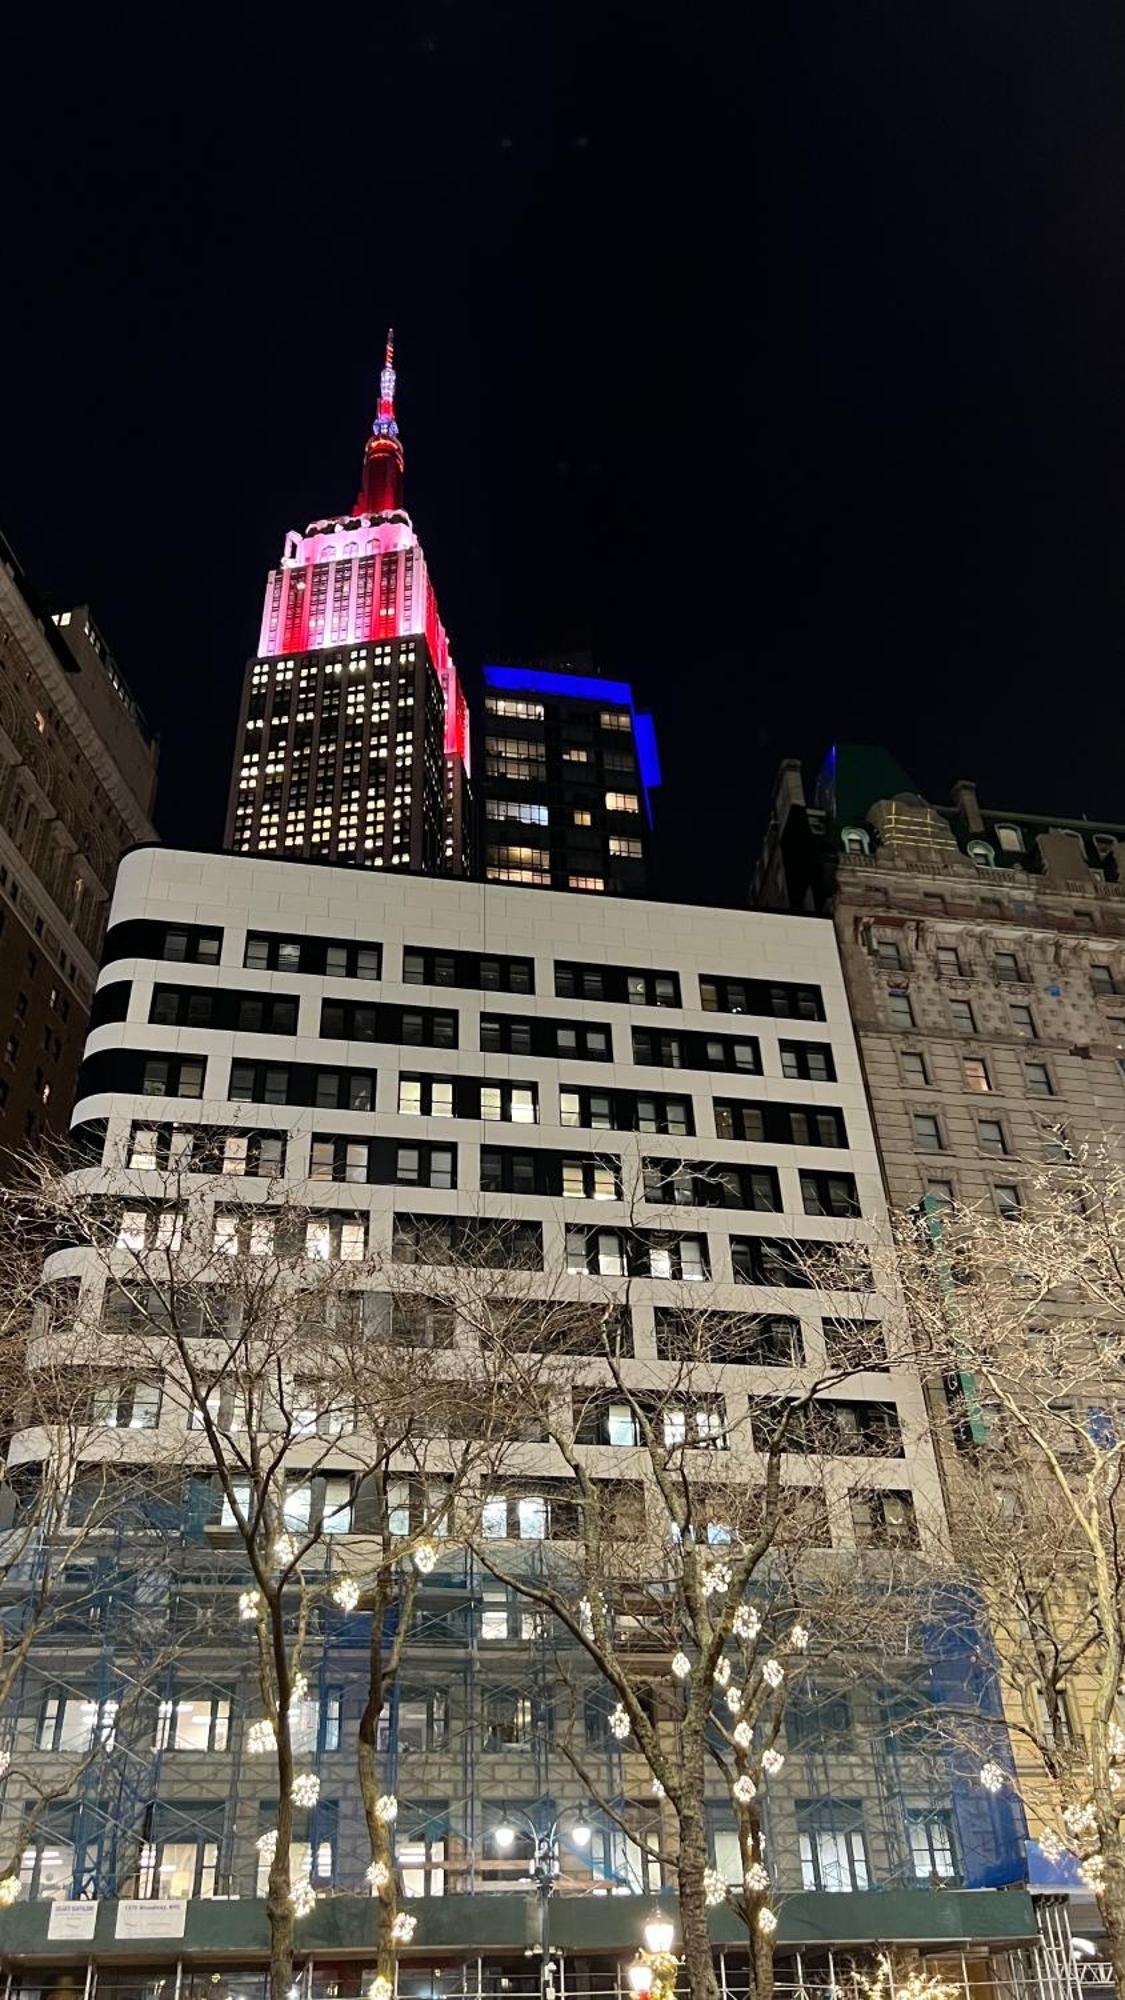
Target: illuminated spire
(381, 491)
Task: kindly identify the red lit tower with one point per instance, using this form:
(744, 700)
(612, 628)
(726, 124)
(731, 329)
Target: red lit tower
(353, 739)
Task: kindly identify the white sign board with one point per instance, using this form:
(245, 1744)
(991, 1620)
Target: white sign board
(72, 1920)
(151, 1920)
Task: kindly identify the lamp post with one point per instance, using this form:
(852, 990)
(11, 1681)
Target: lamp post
(652, 1974)
(545, 1869)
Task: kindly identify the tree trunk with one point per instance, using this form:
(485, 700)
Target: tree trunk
(378, 1832)
(1111, 1903)
(279, 1905)
(691, 1861)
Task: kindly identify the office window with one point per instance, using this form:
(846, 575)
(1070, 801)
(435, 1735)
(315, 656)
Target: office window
(948, 961)
(622, 802)
(829, 1194)
(1102, 979)
(962, 1017)
(927, 1133)
(193, 1722)
(914, 1067)
(888, 955)
(832, 1847)
(1038, 1079)
(932, 1853)
(172, 1077)
(811, 1062)
(976, 1073)
(990, 1135)
(127, 1405)
(900, 1010)
(1006, 966)
(1007, 1198)
(425, 1097)
(1023, 1021)
(884, 1520)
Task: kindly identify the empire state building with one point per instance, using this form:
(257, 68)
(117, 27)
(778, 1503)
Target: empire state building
(353, 735)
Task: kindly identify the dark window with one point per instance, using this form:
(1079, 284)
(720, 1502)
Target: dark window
(758, 1340)
(450, 1239)
(625, 1111)
(811, 1062)
(509, 1034)
(369, 1021)
(695, 1051)
(616, 982)
(884, 1520)
(111, 1003)
(780, 1124)
(302, 1083)
(781, 998)
(218, 1007)
(477, 971)
(141, 938)
(714, 1184)
(765, 1260)
(638, 1253)
(336, 958)
(829, 1194)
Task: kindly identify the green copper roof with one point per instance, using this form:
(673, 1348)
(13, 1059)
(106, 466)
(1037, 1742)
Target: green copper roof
(853, 776)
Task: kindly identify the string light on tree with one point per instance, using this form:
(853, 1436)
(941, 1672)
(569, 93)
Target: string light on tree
(425, 1556)
(248, 1603)
(722, 1673)
(9, 1891)
(744, 1790)
(303, 1898)
(346, 1593)
(381, 1988)
(386, 1808)
(716, 1580)
(798, 1639)
(747, 1623)
(757, 1879)
(306, 1789)
(734, 1700)
(714, 1887)
(767, 1921)
(773, 1673)
(378, 1877)
(404, 1927)
(743, 1735)
(992, 1776)
(772, 1761)
(619, 1723)
(681, 1666)
(261, 1738)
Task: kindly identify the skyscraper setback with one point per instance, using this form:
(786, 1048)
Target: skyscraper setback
(353, 736)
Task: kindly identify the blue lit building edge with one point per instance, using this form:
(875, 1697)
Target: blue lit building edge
(587, 687)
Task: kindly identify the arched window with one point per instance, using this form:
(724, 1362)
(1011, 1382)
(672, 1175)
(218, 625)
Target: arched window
(855, 840)
(980, 852)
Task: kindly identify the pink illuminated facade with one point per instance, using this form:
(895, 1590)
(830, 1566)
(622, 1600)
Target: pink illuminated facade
(336, 756)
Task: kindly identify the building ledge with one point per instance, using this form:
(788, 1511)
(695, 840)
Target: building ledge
(503, 1922)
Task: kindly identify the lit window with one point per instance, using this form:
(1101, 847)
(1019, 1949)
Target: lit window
(622, 802)
(976, 1073)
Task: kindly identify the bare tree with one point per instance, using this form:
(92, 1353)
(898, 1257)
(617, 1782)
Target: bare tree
(1022, 1319)
(687, 1580)
(296, 1384)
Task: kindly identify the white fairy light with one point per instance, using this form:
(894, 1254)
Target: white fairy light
(1050, 1846)
(734, 1700)
(266, 1843)
(1116, 1741)
(744, 1790)
(306, 1789)
(657, 1789)
(585, 1618)
(404, 1927)
(380, 1988)
(681, 1666)
(747, 1623)
(772, 1761)
(619, 1723)
(716, 1579)
(248, 1603)
(757, 1879)
(767, 1921)
(714, 1887)
(378, 1876)
(425, 1556)
(992, 1776)
(283, 1551)
(722, 1674)
(9, 1891)
(1092, 1871)
(303, 1898)
(261, 1738)
(743, 1735)
(1080, 1820)
(299, 1690)
(386, 1808)
(346, 1593)
(5, 1762)
(798, 1639)
(773, 1673)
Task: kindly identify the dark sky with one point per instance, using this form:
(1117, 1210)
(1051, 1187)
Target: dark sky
(775, 353)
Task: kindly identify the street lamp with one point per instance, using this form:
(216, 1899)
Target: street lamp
(659, 1932)
(545, 1869)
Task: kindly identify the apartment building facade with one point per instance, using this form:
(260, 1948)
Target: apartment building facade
(412, 1059)
(77, 782)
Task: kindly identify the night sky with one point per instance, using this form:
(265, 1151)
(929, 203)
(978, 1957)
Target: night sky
(774, 354)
